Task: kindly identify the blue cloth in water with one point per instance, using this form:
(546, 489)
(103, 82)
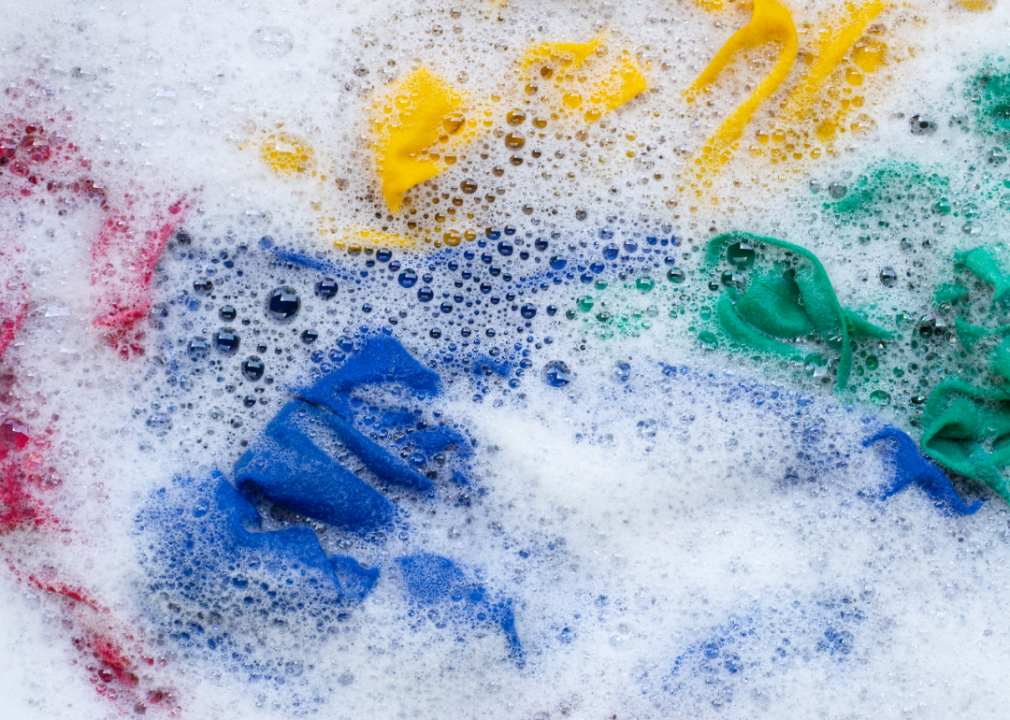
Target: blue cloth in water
(911, 467)
(435, 580)
(210, 546)
(289, 466)
(290, 469)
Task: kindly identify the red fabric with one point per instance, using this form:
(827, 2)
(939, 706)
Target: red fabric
(38, 164)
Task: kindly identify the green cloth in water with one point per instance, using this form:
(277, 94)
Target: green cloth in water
(787, 304)
(990, 265)
(967, 428)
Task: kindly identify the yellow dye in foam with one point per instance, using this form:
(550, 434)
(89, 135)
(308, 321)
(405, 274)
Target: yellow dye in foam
(360, 236)
(286, 154)
(418, 111)
(841, 42)
(622, 81)
(771, 21)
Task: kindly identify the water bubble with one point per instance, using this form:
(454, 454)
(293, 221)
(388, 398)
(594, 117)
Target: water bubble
(597, 267)
(528, 311)
(253, 368)
(888, 277)
(203, 286)
(557, 374)
(675, 276)
(879, 397)
(922, 125)
(326, 288)
(383, 255)
(198, 348)
(645, 284)
(159, 424)
(647, 428)
(837, 190)
(468, 186)
(585, 303)
(408, 278)
(425, 294)
(540, 244)
(611, 251)
(557, 262)
(226, 340)
(249, 401)
(708, 340)
(630, 246)
(272, 42)
(505, 248)
(446, 307)
(435, 333)
(740, 255)
(227, 313)
(309, 336)
(283, 304)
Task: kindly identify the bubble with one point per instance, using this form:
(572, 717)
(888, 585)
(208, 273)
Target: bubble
(557, 374)
(557, 262)
(383, 255)
(272, 42)
(283, 304)
(922, 125)
(611, 251)
(644, 284)
(227, 313)
(837, 190)
(540, 244)
(888, 277)
(226, 340)
(253, 368)
(505, 248)
(675, 275)
(425, 294)
(198, 348)
(630, 246)
(309, 336)
(203, 286)
(740, 255)
(159, 423)
(528, 311)
(325, 288)
(407, 278)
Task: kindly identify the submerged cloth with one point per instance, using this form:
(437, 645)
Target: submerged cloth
(211, 548)
(784, 303)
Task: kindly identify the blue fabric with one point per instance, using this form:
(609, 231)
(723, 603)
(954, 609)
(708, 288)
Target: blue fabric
(381, 361)
(433, 580)
(911, 467)
(208, 547)
(292, 465)
(289, 469)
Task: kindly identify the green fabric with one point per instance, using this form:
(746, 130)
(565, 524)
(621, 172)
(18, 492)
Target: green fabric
(949, 293)
(989, 264)
(967, 429)
(787, 304)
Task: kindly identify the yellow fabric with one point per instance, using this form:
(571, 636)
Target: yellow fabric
(771, 21)
(829, 55)
(413, 117)
(621, 82)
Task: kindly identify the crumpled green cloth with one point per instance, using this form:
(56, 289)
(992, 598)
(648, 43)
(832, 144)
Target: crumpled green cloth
(786, 303)
(966, 426)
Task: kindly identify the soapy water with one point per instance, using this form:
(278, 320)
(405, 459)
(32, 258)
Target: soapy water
(522, 470)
